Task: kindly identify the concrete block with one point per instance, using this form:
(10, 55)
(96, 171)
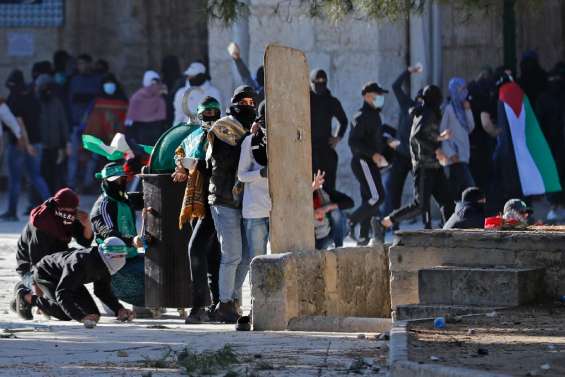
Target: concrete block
(454, 285)
(339, 324)
(346, 282)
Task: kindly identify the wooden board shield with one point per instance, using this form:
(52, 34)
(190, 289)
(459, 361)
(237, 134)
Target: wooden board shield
(289, 149)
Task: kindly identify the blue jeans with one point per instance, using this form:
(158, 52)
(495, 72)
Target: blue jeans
(256, 238)
(338, 225)
(18, 163)
(74, 159)
(231, 237)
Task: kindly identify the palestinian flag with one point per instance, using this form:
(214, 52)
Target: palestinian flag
(532, 157)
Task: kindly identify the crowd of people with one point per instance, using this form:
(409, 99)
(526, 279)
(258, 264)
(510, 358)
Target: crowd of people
(468, 151)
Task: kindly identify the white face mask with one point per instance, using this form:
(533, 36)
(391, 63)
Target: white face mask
(379, 102)
(110, 88)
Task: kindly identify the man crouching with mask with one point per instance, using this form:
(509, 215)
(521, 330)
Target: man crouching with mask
(113, 215)
(59, 281)
(50, 229)
(224, 197)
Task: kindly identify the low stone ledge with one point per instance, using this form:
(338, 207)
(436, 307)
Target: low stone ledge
(340, 324)
(345, 282)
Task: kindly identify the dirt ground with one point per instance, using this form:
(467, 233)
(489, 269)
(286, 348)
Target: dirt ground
(527, 341)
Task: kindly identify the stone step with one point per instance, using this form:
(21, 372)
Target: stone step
(421, 311)
(480, 286)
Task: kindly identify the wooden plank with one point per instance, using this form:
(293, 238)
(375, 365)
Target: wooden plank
(289, 149)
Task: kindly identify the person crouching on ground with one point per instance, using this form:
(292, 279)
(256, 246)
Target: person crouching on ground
(50, 229)
(470, 212)
(59, 281)
(113, 215)
(330, 222)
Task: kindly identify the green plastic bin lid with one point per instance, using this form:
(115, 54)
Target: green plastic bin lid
(162, 159)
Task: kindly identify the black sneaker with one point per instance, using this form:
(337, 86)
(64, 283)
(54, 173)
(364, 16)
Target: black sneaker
(378, 232)
(22, 307)
(211, 311)
(197, 316)
(9, 217)
(226, 312)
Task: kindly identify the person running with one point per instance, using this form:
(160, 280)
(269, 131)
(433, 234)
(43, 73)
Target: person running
(429, 178)
(367, 146)
(59, 283)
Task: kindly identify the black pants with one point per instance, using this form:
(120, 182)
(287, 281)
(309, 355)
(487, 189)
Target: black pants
(394, 186)
(204, 253)
(428, 182)
(372, 193)
(324, 158)
(53, 173)
(48, 303)
(459, 178)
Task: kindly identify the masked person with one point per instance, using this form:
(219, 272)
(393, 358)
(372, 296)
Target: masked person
(256, 206)
(50, 229)
(429, 177)
(402, 163)
(225, 197)
(59, 283)
(469, 212)
(367, 145)
(54, 128)
(323, 108)
(203, 247)
(113, 215)
(458, 119)
(197, 81)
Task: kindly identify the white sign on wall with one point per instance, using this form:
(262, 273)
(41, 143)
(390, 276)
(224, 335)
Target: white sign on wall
(20, 43)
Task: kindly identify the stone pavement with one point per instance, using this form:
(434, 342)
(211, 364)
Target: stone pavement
(56, 348)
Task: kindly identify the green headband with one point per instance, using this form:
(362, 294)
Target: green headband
(111, 171)
(115, 249)
(208, 106)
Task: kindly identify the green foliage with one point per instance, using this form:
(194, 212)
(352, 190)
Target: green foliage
(227, 11)
(208, 362)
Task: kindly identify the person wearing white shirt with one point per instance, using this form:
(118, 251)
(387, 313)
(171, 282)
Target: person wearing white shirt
(197, 79)
(256, 206)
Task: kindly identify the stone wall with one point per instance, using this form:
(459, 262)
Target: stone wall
(413, 251)
(345, 282)
(133, 35)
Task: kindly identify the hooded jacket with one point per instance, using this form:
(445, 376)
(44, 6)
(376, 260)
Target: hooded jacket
(34, 244)
(467, 215)
(423, 138)
(69, 272)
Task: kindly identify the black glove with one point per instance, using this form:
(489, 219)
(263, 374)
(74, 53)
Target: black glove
(264, 172)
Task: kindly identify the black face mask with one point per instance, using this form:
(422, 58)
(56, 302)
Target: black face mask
(197, 80)
(319, 87)
(244, 114)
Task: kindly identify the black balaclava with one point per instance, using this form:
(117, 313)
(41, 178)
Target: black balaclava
(433, 98)
(243, 113)
(319, 87)
(259, 140)
(260, 77)
(209, 103)
(198, 80)
(15, 81)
